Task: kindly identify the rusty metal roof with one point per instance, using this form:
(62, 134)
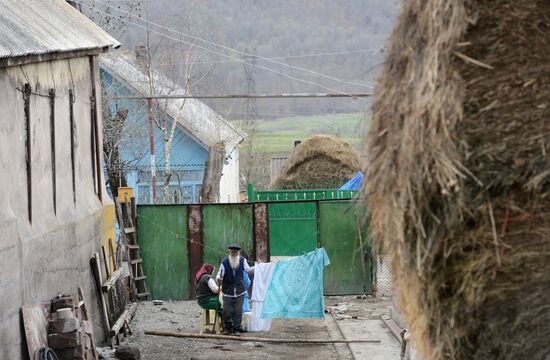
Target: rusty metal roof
(35, 27)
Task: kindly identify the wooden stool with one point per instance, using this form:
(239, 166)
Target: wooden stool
(207, 322)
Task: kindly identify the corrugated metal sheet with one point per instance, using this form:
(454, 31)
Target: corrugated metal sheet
(292, 228)
(162, 232)
(276, 165)
(34, 27)
(195, 116)
(338, 235)
(223, 225)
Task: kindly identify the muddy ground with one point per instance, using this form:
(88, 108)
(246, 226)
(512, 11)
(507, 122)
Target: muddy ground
(184, 316)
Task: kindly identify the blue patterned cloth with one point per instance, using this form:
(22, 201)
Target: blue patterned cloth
(296, 287)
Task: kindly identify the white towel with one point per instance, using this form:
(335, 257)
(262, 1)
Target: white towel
(262, 277)
(257, 324)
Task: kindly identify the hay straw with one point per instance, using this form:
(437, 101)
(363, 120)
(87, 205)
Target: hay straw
(319, 161)
(457, 150)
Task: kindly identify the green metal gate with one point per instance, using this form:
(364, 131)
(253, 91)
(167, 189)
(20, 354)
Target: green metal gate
(162, 234)
(339, 236)
(292, 228)
(226, 224)
(176, 239)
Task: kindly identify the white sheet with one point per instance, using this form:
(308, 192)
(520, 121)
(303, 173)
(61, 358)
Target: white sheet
(262, 277)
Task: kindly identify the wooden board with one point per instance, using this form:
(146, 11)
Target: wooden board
(261, 233)
(35, 321)
(194, 234)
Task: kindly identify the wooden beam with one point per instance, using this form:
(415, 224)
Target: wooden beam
(256, 339)
(124, 318)
(96, 271)
(112, 280)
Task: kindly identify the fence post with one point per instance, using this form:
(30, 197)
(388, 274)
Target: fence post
(250, 191)
(194, 247)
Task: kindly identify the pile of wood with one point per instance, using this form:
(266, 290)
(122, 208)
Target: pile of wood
(119, 277)
(70, 333)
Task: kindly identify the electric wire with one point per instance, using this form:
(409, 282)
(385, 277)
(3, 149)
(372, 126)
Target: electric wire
(225, 55)
(242, 53)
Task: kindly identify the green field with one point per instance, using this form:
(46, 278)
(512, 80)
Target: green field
(278, 135)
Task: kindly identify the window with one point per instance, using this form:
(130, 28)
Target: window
(198, 193)
(144, 196)
(187, 194)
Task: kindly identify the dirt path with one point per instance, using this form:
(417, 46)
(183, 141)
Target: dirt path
(183, 316)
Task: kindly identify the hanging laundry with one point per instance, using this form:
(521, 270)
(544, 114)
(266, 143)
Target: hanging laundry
(296, 287)
(262, 277)
(246, 305)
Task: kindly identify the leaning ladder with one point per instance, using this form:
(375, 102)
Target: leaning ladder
(129, 233)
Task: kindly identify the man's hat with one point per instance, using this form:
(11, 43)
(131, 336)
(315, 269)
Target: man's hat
(234, 247)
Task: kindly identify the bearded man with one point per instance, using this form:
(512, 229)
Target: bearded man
(231, 274)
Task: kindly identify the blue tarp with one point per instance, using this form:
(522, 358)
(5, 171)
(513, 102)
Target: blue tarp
(354, 183)
(296, 287)
(246, 305)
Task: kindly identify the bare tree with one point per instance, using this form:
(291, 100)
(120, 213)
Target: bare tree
(113, 19)
(181, 61)
(119, 133)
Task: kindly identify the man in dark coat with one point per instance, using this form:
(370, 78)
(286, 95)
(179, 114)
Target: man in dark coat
(231, 274)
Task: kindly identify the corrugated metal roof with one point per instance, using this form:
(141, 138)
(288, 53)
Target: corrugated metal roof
(195, 116)
(34, 27)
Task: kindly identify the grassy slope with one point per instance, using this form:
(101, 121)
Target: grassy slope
(278, 135)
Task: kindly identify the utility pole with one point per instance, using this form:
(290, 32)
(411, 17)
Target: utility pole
(152, 148)
(250, 112)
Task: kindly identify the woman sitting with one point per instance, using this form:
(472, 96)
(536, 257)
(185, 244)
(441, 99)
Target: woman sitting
(207, 290)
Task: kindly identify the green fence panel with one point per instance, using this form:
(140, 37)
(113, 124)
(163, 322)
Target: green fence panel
(292, 228)
(162, 232)
(338, 235)
(224, 225)
(299, 195)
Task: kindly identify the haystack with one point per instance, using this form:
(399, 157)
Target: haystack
(458, 178)
(320, 161)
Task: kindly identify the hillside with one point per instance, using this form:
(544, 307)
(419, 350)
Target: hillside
(343, 39)
(278, 135)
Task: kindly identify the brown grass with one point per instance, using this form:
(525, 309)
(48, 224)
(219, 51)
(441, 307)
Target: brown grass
(458, 178)
(319, 161)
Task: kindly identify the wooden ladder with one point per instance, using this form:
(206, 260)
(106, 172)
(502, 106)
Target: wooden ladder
(126, 222)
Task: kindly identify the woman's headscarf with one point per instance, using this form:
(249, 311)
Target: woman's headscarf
(205, 269)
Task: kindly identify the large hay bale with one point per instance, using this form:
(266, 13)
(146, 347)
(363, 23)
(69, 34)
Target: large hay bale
(458, 178)
(319, 161)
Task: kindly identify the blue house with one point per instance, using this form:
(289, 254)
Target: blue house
(199, 129)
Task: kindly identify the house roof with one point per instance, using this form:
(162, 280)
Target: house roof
(193, 115)
(37, 27)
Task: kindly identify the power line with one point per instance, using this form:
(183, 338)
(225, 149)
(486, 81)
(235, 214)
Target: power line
(290, 56)
(247, 96)
(218, 53)
(238, 51)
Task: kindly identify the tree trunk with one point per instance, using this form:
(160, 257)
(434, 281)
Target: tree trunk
(210, 191)
(167, 172)
(112, 132)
